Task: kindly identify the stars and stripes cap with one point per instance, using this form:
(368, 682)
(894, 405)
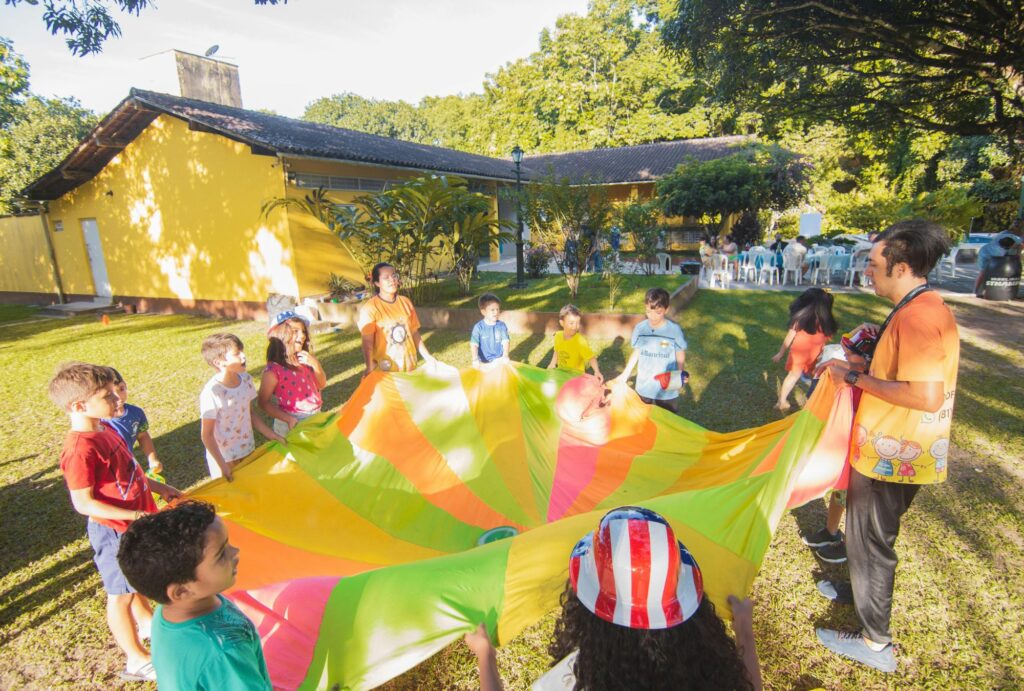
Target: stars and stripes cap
(633, 572)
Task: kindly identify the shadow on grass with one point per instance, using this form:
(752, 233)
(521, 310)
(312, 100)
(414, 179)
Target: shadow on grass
(44, 588)
(521, 352)
(38, 521)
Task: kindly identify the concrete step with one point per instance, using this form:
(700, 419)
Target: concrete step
(78, 309)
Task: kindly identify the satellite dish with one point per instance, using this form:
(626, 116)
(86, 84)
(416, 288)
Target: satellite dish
(211, 50)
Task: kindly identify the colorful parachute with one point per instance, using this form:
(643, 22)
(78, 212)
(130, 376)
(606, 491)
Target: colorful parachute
(359, 540)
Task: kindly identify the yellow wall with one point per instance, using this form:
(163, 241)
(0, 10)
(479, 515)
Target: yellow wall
(178, 216)
(24, 257)
(318, 253)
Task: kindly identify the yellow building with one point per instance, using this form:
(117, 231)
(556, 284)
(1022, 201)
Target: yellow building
(159, 207)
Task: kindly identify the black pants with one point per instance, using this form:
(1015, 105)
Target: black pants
(671, 404)
(873, 511)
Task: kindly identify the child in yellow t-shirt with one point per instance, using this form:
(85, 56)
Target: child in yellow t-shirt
(572, 352)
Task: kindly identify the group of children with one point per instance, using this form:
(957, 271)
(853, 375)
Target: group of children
(182, 558)
(178, 558)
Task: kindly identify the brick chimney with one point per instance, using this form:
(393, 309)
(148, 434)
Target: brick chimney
(206, 79)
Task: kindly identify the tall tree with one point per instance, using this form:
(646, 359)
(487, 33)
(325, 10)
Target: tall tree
(88, 24)
(568, 220)
(395, 119)
(760, 177)
(952, 66)
(41, 133)
(13, 80)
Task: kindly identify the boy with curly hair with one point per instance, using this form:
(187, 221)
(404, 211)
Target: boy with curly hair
(182, 558)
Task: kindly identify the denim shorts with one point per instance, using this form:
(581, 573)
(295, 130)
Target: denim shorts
(105, 542)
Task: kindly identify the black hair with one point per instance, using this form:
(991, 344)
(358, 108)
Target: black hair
(656, 297)
(375, 273)
(917, 243)
(118, 379)
(487, 299)
(697, 654)
(1006, 242)
(567, 310)
(812, 312)
(161, 549)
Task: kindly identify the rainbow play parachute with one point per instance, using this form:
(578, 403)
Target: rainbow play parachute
(359, 539)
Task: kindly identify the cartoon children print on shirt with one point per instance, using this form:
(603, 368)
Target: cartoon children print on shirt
(396, 335)
(887, 448)
(909, 452)
(939, 450)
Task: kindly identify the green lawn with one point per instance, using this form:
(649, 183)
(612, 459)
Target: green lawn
(10, 313)
(958, 594)
(550, 293)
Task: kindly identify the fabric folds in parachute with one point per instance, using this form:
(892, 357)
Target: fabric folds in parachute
(358, 539)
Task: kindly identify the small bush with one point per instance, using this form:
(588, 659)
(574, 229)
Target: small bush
(537, 261)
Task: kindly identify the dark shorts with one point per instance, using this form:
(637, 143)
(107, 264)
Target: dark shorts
(105, 542)
(669, 404)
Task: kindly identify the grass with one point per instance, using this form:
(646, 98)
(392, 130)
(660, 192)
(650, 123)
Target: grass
(550, 293)
(958, 592)
(11, 313)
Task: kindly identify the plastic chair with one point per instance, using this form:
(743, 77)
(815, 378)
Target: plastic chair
(761, 258)
(948, 262)
(745, 267)
(719, 270)
(792, 263)
(858, 264)
(664, 263)
(823, 267)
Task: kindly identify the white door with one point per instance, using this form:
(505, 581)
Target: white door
(91, 233)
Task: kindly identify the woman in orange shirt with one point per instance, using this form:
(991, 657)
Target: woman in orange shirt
(389, 326)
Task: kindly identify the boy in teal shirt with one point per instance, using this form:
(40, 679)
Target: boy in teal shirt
(181, 558)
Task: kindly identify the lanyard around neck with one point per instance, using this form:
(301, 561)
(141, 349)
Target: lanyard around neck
(924, 288)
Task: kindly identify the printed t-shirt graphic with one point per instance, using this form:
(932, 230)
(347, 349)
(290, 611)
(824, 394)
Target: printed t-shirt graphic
(897, 444)
(573, 353)
(658, 348)
(490, 339)
(392, 325)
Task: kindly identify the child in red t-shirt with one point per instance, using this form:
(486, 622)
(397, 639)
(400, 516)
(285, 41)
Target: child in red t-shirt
(108, 486)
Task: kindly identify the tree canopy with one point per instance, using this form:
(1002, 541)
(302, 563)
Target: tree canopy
(87, 24)
(951, 66)
(760, 177)
(40, 134)
(598, 80)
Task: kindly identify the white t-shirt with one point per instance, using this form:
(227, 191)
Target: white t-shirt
(559, 677)
(229, 408)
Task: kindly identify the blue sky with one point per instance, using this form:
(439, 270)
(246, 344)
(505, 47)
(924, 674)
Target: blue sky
(290, 54)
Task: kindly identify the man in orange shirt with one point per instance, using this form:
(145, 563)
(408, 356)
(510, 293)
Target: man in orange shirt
(901, 429)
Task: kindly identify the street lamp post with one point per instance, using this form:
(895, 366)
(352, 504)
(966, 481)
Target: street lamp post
(517, 159)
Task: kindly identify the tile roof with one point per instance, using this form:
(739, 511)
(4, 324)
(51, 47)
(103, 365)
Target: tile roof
(274, 134)
(301, 138)
(641, 163)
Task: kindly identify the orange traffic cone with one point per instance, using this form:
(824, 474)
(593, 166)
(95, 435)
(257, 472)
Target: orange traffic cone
(105, 319)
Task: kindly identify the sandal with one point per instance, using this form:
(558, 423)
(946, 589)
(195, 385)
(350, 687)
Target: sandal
(146, 672)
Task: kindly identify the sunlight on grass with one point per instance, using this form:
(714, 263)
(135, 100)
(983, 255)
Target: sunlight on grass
(958, 591)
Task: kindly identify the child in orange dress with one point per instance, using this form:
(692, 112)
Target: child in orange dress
(811, 326)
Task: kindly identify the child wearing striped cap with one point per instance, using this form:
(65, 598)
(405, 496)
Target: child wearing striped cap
(634, 616)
